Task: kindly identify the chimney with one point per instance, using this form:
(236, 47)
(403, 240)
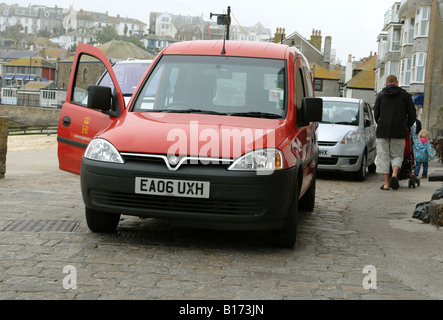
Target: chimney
(279, 35)
(316, 39)
(349, 69)
(327, 52)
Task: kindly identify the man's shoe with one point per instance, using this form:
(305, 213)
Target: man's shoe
(393, 183)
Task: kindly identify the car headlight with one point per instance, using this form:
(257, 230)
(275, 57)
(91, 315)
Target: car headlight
(259, 160)
(102, 150)
(352, 137)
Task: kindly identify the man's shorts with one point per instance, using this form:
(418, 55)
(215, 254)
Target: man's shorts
(389, 152)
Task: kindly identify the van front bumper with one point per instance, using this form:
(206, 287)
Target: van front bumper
(237, 200)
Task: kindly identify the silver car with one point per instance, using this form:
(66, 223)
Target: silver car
(347, 138)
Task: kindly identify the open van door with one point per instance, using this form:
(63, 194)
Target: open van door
(80, 120)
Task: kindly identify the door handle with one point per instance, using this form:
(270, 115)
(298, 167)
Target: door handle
(66, 121)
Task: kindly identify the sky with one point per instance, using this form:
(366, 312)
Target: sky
(354, 25)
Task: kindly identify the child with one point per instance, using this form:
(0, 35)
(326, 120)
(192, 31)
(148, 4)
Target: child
(423, 152)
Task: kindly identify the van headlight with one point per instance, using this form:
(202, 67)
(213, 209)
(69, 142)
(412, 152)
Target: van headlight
(353, 136)
(102, 150)
(259, 160)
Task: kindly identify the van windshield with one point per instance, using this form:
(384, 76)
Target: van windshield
(340, 112)
(234, 86)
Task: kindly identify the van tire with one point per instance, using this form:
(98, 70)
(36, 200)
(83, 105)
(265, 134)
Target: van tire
(287, 236)
(98, 221)
(307, 201)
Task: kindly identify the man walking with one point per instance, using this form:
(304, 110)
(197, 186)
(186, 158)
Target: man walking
(395, 113)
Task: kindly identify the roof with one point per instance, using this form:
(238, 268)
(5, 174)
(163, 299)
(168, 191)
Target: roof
(16, 54)
(368, 65)
(124, 50)
(35, 61)
(232, 48)
(37, 85)
(363, 80)
(321, 73)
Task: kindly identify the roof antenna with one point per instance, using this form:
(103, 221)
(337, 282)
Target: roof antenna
(224, 20)
(224, 42)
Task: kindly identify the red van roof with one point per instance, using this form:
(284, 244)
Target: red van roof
(232, 48)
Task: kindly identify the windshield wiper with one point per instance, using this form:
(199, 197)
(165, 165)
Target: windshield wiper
(256, 115)
(191, 111)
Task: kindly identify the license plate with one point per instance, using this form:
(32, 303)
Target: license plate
(172, 188)
(323, 153)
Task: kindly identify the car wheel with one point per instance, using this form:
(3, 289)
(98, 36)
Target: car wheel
(287, 236)
(100, 221)
(360, 175)
(307, 202)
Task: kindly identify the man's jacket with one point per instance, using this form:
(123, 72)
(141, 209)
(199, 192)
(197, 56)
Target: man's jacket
(394, 112)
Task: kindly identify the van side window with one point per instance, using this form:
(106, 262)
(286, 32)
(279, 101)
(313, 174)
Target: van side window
(299, 88)
(89, 71)
(308, 81)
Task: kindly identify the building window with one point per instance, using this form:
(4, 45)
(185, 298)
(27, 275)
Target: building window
(318, 84)
(50, 95)
(422, 22)
(85, 75)
(409, 31)
(405, 72)
(418, 67)
(395, 39)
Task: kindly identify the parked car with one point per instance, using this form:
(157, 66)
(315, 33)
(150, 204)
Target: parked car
(218, 135)
(347, 138)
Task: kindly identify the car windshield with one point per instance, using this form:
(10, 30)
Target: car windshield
(246, 87)
(340, 112)
(128, 76)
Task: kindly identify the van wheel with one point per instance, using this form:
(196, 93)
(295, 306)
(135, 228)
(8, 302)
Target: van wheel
(360, 175)
(98, 221)
(287, 236)
(307, 202)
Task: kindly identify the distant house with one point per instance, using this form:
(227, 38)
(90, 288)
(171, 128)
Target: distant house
(185, 28)
(157, 43)
(326, 83)
(310, 49)
(73, 38)
(30, 94)
(20, 71)
(362, 83)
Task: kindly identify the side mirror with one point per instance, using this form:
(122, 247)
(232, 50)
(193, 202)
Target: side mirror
(311, 111)
(99, 98)
(102, 98)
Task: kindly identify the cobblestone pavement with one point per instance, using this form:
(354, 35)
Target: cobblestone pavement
(46, 249)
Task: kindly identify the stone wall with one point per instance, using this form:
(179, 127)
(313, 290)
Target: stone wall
(30, 116)
(3, 145)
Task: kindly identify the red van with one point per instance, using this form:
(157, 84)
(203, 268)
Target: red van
(217, 135)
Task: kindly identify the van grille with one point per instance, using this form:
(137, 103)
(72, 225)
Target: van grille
(163, 161)
(177, 204)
